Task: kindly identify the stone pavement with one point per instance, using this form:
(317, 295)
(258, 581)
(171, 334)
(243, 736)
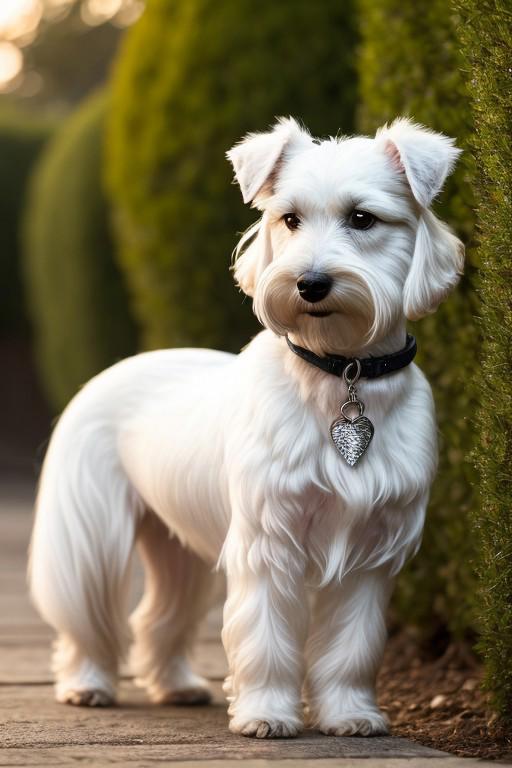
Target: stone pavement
(36, 731)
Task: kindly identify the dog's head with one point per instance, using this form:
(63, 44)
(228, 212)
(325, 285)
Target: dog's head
(346, 247)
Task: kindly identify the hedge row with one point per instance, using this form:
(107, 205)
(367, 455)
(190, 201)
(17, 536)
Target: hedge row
(486, 36)
(410, 65)
(77, 298)
(21, 140)
(192, 78)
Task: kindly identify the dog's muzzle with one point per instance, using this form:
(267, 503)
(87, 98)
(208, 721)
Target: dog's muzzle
(314, 286)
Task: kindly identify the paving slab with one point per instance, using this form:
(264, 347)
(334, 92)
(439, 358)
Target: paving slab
(68, 757)
(31, 720)
(35, 730)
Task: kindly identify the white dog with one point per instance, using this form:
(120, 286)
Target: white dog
(207, 458)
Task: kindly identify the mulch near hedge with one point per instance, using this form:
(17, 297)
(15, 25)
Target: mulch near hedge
(439, 702)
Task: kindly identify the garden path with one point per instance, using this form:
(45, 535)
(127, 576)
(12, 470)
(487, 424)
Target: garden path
(36, 731)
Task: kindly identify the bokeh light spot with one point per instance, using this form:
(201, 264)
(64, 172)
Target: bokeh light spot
(99, 11)
(19, 18)
(11, 63)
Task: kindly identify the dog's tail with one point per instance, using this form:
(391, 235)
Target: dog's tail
(80, 553)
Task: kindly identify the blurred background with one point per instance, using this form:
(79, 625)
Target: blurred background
(118, 218)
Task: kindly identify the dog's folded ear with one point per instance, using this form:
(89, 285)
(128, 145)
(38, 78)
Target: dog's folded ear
(425, 157)
(437, 264)
(256, 156)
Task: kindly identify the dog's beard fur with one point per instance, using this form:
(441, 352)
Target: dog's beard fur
(361, 312)
(364, 305)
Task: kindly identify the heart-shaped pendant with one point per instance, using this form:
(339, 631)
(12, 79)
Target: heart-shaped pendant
(352, 437)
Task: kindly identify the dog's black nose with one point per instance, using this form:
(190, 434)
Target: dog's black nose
(314, 286)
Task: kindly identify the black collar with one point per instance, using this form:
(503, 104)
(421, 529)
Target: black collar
(371, 367)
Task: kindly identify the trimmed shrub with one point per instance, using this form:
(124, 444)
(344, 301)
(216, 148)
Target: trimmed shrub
(21, 139)
(410, 65)
(192, 78)
(487, 41)
(79, 305)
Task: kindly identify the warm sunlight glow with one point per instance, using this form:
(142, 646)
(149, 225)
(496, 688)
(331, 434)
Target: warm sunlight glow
(56, 9)
(11, 63)
(19, 18)
(129, 13)
(57, 3)
(99, 11)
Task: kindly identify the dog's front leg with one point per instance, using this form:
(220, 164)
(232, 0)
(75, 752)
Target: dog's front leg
(344, 652)
(265, 624)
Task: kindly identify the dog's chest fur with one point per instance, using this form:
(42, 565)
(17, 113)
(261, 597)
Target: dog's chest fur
(249, 446)
(343, 516)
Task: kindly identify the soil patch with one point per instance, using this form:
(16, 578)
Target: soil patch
(439, 701)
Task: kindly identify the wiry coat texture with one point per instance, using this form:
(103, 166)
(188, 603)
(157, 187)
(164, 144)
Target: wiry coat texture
(232, 454)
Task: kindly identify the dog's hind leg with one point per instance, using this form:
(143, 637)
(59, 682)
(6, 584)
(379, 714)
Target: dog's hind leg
(80, 554)
(177, 588)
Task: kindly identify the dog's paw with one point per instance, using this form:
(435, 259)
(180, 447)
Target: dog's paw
(265, 729)
(194, 695)
(374, 724)
(93, 697)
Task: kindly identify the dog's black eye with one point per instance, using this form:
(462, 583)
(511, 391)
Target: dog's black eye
(291, 220)
(361, 219)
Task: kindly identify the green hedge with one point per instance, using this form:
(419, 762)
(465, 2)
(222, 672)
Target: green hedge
(79, 306)
(487, 43)
(22, 136)
(410, 65)
(192, 78)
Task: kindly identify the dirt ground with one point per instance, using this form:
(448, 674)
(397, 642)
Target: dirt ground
(439, 702)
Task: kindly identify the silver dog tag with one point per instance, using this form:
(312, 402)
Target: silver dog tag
(352, 435)
(352, 438)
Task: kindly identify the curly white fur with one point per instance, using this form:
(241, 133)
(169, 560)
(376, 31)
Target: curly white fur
(208, 458)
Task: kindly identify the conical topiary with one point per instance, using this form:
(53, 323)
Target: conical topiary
(192, 78)
(78, 301)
